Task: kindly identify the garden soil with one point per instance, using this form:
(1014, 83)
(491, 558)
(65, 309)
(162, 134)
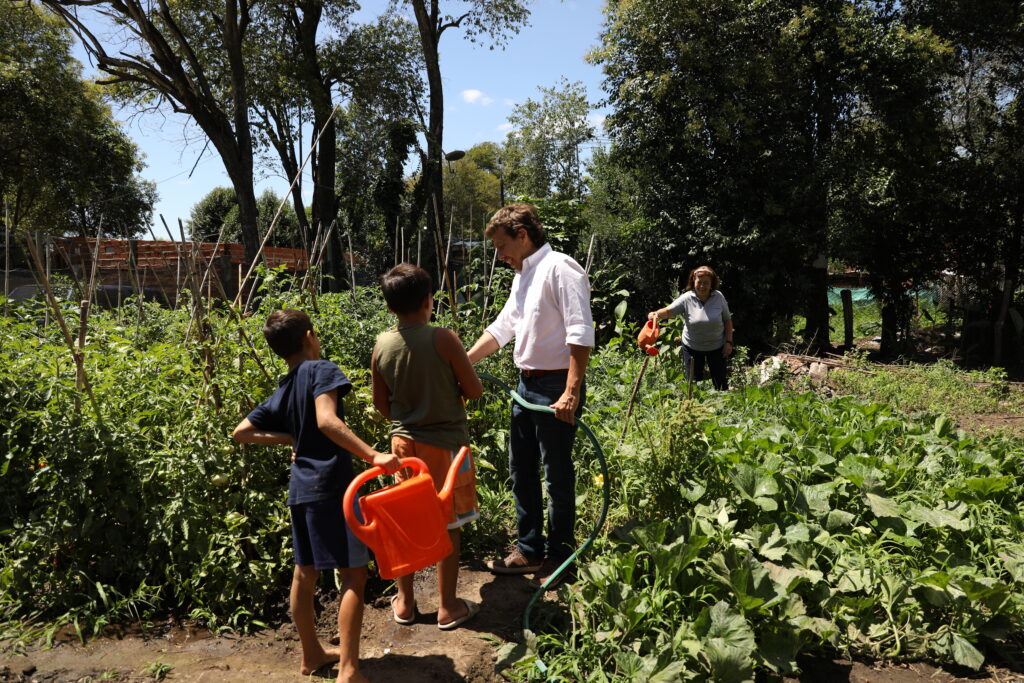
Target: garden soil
(390, 652)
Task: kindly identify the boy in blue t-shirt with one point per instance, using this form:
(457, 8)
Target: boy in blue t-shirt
(306, 413)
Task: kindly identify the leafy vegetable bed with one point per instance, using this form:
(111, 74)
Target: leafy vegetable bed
(781, 523)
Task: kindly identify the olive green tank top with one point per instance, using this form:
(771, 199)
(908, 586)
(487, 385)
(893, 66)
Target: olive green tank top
(426, 402)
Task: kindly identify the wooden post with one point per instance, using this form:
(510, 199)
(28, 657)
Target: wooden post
(689, 381)
(487, 289)
(847, 296)
(351, 264)
(46, 275)
(590, 253)
(7, 256)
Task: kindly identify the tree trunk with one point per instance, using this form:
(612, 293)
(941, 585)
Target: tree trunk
(324, 206)
(1011, 277)
(430, 37)
(816, 334)
(234, 26)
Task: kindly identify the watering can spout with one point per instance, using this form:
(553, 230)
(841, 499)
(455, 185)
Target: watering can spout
(447, 491)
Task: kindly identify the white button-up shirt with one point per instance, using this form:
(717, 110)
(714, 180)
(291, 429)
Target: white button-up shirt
(547, 309)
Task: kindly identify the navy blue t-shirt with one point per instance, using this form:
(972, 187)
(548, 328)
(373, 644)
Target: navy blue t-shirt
(321, 469)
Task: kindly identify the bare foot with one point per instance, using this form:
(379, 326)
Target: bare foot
(327, 656)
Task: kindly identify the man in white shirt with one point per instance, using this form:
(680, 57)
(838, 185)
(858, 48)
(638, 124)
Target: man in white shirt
(548, 314)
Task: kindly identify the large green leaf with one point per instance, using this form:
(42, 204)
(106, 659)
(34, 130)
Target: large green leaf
(728, 644)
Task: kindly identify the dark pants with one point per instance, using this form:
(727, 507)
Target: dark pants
(716, 364)
(541, 439)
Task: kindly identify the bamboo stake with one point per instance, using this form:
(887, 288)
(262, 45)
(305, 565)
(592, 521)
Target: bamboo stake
(79, 286)
(79, 364)
(7, 256)
(307, 278)
(140, 314)
(440, 235)
(689, 381)
(632, 398)
(487, 291)
(351, 264)
(590, 253)
(177, 263)
(46, 274)
(95, 263)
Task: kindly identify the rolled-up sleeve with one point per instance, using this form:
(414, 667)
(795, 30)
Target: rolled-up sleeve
(573, 291)
(503, 328)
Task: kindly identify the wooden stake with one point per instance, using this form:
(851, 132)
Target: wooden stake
(351, 264)
(7, 256)
(689, 381)
(79, 364)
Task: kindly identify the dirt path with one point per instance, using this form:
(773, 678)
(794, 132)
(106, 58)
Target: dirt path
(390, 652)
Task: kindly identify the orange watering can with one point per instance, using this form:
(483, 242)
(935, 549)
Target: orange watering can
(648, 335)
(406, 523)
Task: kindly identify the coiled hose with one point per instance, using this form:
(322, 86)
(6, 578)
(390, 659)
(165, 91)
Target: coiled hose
(604, 493)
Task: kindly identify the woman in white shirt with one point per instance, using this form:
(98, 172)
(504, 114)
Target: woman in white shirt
(707, 333)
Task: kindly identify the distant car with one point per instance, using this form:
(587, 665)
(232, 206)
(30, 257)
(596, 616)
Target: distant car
(26, 292)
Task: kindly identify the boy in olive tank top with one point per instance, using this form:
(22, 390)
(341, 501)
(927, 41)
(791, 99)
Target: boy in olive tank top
(420, 375)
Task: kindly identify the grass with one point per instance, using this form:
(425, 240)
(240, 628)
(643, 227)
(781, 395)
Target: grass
(941, 387)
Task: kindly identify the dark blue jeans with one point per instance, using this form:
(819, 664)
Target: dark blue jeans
(541, 439)
(716, 364)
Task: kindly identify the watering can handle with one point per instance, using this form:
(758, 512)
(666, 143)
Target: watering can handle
(446, 494)
(367, 532)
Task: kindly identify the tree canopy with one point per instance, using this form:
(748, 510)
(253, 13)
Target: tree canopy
(65, 163)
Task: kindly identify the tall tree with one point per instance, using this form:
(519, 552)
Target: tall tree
(314, 60)
(189, 55)
(471, 191)
(65, 164)
(372, 150)
(734, 116)
(541, 156)
(985, 114)
(215, 217)
(495, 20)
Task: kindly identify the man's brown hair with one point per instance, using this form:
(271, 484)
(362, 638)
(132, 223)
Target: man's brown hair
(285, 330)
(515, 217)
(406, 287)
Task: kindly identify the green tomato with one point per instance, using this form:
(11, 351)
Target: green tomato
(227, 449)
(220, 480)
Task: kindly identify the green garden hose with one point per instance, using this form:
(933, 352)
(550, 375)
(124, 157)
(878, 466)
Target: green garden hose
(604, 507)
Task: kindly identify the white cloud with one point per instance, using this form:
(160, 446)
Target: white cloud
(505, 127)
(476, 97)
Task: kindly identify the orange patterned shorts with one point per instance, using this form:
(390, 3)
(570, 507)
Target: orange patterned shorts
(439, 461)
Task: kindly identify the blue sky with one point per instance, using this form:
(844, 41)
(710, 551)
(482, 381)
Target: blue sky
(481, 87)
